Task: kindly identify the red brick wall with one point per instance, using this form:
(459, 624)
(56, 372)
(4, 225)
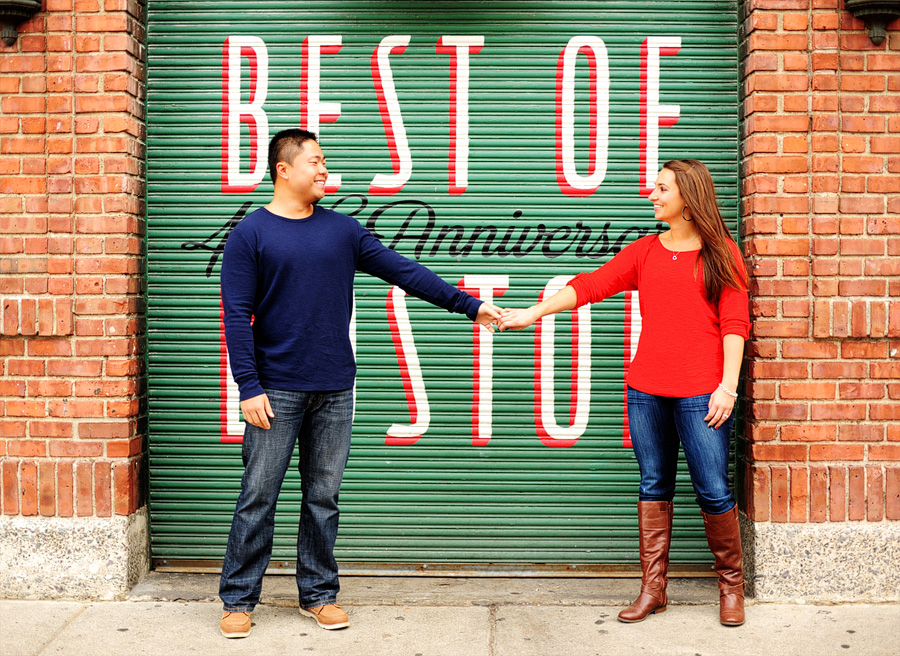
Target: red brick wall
(71, 243)
(821, 212)
(821, 223)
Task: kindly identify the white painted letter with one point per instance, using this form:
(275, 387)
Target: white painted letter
(551, 433)
(389, 104)
(459, 47)
(569, 180)
(654, 115)
(234, 112)
(314, 112)
(410, 372)
(486, 288)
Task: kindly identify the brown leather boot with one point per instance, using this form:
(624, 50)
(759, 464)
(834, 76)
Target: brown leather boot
(723, 534)
(655, 526)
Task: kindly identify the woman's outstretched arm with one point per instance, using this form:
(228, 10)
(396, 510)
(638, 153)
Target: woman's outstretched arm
(517, 319)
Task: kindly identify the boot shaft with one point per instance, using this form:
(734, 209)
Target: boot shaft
(723, 535)
(655, 527)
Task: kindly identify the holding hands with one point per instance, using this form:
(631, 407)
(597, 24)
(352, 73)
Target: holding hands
(517, 319)
(495, 318)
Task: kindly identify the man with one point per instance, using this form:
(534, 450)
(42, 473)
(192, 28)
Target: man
(287, 293)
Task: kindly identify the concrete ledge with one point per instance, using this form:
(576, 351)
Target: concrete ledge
(426, 591)
(72, 558)
(822, 563)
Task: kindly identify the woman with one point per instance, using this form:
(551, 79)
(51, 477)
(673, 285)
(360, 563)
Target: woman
(682, 384)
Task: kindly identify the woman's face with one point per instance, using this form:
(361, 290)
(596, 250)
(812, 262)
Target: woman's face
(666, 198)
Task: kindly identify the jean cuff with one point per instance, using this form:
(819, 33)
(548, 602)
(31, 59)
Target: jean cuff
(316, 604)
(238, 610)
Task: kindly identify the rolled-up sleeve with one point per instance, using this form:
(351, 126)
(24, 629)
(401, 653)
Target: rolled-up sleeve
(734, 304)
(734, 313)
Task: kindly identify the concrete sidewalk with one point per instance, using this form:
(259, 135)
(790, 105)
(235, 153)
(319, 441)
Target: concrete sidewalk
(397, 616)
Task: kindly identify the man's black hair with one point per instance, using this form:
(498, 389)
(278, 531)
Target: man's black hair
(285, 145)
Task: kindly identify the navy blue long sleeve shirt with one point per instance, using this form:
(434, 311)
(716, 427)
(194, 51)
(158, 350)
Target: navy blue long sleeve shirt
(294, 278)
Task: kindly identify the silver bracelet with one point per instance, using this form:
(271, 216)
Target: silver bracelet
(728, 391)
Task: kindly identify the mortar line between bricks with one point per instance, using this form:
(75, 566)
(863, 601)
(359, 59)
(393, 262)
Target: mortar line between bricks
(60, 631)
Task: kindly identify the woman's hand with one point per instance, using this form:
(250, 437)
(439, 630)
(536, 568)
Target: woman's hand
(721, 406)
(517, 319)
(510, 319)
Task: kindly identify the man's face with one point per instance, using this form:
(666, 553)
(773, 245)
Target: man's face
(307, 173)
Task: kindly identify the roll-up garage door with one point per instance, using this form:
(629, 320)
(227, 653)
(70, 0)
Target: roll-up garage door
(507, 146)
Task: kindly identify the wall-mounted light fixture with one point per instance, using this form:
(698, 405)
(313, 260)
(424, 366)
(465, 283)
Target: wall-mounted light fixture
(13, 12)
(876, 13)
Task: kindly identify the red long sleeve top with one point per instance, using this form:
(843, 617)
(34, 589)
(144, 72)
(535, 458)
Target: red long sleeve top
(680, 348)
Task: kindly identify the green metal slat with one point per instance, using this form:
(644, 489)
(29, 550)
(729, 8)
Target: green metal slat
(513, 500)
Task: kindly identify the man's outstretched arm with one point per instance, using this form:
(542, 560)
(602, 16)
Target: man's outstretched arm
(420, 281)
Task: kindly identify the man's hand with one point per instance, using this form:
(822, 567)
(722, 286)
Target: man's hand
(257, 411)
(488, 314)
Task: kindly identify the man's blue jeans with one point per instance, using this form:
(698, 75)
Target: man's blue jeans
(658, 424)
(321, 423)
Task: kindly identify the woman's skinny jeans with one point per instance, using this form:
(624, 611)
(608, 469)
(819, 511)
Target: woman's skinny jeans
(658, 424)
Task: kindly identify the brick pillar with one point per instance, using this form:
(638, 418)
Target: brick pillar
(72, 397)
(821, 223)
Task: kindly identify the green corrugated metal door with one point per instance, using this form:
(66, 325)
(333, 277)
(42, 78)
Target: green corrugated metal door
(506, 145)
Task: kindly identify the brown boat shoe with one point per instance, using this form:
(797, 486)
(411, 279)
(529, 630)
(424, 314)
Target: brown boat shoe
(329, 616)
(235, 625)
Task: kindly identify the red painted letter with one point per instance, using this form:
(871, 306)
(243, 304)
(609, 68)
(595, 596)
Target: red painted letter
(632, 337)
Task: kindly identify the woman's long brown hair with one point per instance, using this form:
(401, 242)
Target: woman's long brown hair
(720, 268)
